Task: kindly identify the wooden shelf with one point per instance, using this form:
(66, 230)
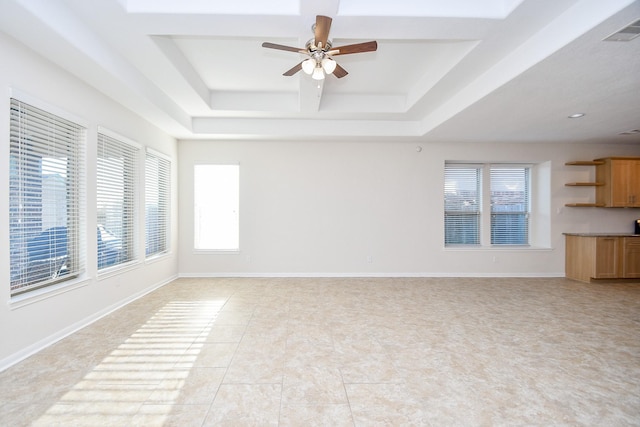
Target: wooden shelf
(585, 163)
(585, 205)
(584, 184)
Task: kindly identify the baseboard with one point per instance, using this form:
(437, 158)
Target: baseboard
(52, 339)
(369, 274)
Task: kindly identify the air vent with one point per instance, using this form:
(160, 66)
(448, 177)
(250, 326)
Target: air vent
(626, 34)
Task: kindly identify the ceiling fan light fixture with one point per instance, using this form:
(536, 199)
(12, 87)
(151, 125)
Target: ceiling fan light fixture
(318, 74)
(308, 65)
(319, 52)
(329, 65)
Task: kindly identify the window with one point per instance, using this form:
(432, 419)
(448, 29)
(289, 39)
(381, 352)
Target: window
(216, 207)
(508, 202)
(509, 205)
(45, 198)
(462, 184)
(116, 189)
(157, 196)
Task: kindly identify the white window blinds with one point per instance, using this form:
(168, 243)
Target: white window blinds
(509, 205)
(45, 198)
(462, 204)
(157, 197)
(117, 178)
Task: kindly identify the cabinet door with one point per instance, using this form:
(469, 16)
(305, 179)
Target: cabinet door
(625, 183)
(634, 182)
(631, 260)
(606, 258)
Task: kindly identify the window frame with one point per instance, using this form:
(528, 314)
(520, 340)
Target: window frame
(524, 213)
(162, 189)
(131, 151)
(475, 213)
(236, 214)
(485, 204)
(53, 132)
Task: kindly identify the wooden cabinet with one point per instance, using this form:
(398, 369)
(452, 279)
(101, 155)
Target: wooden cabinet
(606, 258)
(593, 257)
(631, 261)
(620, 177)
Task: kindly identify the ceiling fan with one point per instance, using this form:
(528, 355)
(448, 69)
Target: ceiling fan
(320, 52)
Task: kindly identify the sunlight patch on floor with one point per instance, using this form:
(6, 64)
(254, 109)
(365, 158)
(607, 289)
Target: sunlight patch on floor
(156, 360)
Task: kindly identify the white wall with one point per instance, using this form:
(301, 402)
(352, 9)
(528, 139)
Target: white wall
(27, 327)
(323, 208)
(307, 208)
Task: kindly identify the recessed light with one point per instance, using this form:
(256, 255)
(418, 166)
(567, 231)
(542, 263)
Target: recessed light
(576, 115)
(630, 132)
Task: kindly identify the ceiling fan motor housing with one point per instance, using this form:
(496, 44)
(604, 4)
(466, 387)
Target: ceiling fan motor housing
(311, 46)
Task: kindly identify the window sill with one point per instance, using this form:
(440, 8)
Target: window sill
(45, 293)
(157, 257)
(501, 248)
(216, 251)
(117, 269)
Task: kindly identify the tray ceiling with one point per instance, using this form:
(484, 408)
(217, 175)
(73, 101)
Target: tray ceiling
(460, 70)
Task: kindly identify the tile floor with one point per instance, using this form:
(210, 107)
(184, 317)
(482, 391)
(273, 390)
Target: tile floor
(344, 352)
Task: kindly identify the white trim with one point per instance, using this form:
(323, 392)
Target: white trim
(118, 269)
(52, 339)
(115, 135)
(217, 251)
(205, 163)
(372, 275)
(34, 101)
(159, 154)
(157, 257)
(37, 295)
(497, 248)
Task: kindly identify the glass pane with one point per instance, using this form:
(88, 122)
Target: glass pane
(510, 206)
(157, 195)
(462, 205)
(216, 207)
(44, 198)
(462, 229)
(116, 186)
(509, 229)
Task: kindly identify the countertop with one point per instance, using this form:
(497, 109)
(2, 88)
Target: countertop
(602, 234)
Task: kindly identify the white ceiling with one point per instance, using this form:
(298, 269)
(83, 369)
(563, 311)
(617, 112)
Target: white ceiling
(455, 70)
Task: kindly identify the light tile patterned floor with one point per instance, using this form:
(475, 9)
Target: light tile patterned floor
(344, 352)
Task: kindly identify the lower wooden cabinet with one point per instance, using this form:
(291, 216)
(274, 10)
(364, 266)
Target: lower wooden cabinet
(606, 258)
(631, 262)
(593, 257)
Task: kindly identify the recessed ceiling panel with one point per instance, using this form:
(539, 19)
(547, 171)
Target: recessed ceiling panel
(237, 64)
(497, 9)
(400, 65)
(237, 7)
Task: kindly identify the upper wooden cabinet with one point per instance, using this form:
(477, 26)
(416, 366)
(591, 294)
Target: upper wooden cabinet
(620, 182)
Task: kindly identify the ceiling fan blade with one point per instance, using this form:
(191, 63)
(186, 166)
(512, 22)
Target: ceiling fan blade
(321, 31)
(282, 47)
(356, 48)
(339, 72)
(294, 70)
